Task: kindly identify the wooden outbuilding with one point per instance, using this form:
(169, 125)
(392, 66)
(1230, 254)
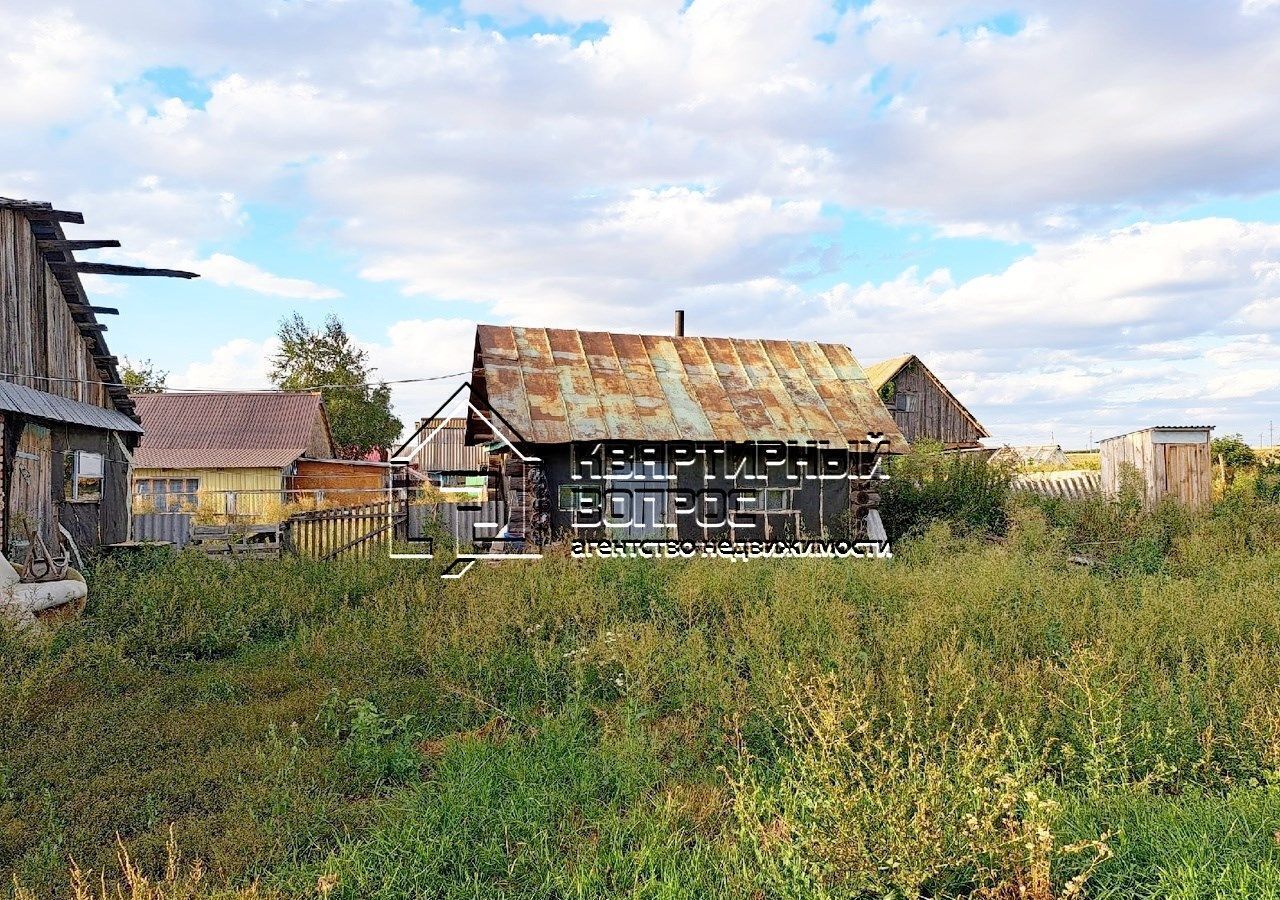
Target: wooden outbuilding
(67, 424)
(343, 482)
(1171, 461)
(922, 405)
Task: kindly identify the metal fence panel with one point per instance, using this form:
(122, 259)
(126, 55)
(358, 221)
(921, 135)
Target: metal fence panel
(459, 520)
(172, 527)
(1076, 484)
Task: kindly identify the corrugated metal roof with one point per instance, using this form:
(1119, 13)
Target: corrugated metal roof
(556, 386)
(17, 398)
(227, 420)
(229, 429)
(196, 458)
(1032, 454)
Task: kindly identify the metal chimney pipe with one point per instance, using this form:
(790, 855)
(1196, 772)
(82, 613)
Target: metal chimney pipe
(679, 323)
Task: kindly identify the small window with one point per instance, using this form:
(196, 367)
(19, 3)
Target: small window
(907, 402)
(83, 474)
(778, 500)
(579, 499)
(170, 495)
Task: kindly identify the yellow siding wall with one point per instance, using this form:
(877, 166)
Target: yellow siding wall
(257, 491)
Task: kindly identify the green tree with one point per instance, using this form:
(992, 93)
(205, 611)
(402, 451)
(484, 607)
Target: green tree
(144, 377)
(328, 361)
(1233, 451)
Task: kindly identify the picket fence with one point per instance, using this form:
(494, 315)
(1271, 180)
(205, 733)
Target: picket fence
(353, 531)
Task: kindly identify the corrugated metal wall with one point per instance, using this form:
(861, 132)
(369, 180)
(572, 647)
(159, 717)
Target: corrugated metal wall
(446, 452)
(458, 521)
(172, 527)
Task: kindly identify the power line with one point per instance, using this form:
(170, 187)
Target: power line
(279, 391)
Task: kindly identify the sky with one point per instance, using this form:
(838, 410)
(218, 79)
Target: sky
(1070, 210)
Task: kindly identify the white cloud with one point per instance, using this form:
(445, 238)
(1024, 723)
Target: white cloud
(229, 271)
(693, 156)
(238, 365)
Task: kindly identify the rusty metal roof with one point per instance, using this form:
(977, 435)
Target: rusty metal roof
(229, 429)
(555, 386)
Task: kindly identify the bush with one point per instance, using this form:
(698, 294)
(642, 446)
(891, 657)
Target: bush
(1233, 451)
(927, 485)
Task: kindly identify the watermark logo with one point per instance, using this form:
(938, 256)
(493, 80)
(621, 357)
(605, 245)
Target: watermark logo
(738, 501)
(489, 540)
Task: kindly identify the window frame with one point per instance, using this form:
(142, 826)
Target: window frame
(574, 491)
(145, 487)
(75, 484)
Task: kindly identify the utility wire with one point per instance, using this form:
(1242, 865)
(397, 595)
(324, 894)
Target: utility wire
(169, 390)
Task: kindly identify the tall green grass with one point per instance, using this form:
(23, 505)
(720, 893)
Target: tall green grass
(791, 728)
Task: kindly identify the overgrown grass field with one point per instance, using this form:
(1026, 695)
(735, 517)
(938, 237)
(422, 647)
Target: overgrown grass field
(976, 717)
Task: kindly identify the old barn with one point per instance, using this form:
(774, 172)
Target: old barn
(690, 413)
(68, 424)
(922, 405)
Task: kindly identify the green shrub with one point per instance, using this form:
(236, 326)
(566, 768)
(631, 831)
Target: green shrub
(1234, 453)
(927, 485)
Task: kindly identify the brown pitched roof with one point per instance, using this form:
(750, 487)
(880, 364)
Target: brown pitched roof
(232, 429)
(555, 386)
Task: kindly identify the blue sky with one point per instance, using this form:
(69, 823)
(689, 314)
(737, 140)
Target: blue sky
(1070, 210)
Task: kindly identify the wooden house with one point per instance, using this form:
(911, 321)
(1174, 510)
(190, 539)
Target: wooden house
(67, 425)
(626, 436)
(1170, 461)
(339, 482)
(922, 405)
(244, 455)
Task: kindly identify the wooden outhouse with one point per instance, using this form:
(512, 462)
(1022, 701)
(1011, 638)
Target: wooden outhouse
(1172, 461)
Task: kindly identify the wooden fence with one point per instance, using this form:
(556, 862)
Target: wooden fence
(354, 531)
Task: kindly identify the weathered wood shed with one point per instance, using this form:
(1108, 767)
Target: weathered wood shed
(67, 425)
(922, 405)
(1172, 461)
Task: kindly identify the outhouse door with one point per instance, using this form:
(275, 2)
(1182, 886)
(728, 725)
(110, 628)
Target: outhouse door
(1186, 474)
